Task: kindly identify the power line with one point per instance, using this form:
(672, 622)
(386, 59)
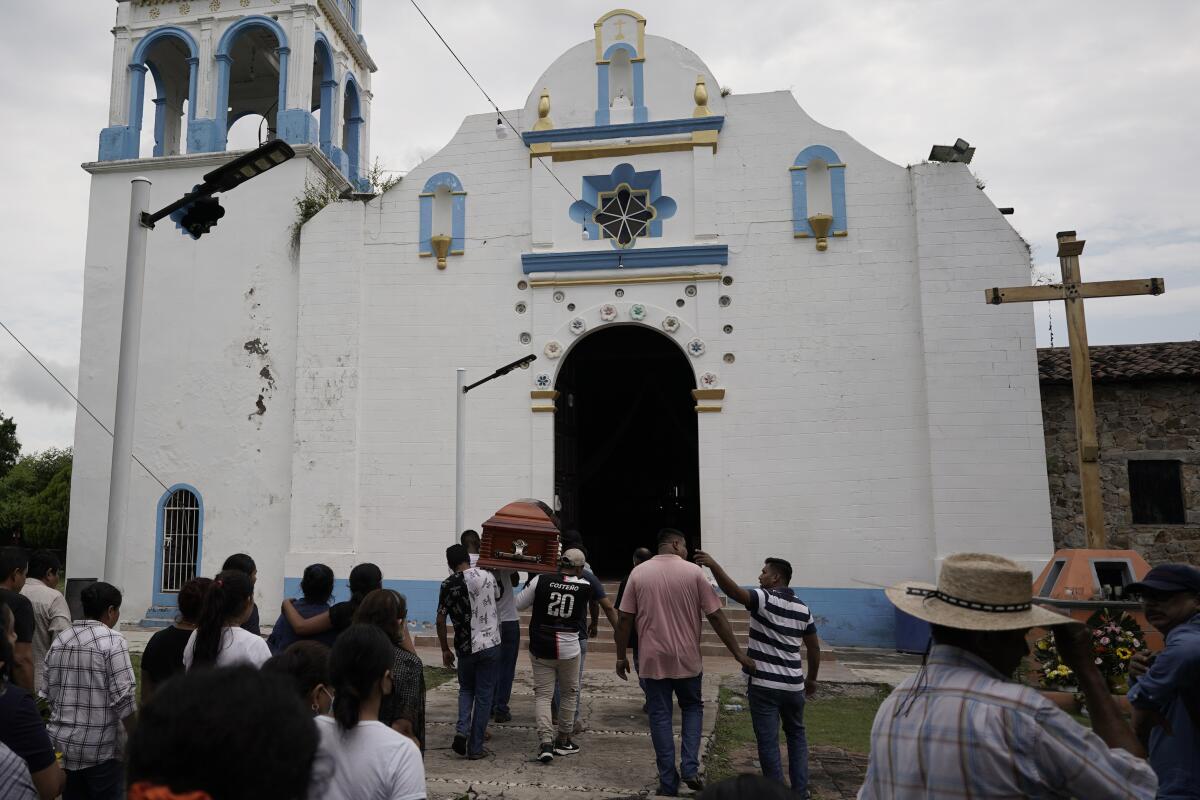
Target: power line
(483, 91)
(78, 401)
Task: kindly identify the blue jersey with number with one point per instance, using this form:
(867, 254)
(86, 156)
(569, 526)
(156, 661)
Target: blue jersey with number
(560, 604)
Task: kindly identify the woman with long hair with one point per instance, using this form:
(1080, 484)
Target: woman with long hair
(364, 579)
(316, 587)
(306, 664)
(404, 708)
(163, 656)
(366, 759)
(219, 640)
(226, 733)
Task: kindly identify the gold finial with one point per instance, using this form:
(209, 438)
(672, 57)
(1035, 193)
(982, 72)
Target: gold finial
(821, 223)
(543, 122)
(701, 97)
(441, 248)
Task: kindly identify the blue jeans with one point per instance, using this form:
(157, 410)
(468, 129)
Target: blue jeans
(104, 781)
(477, 674)
(579, 699)
(510, 648)
(691, 708)
(767, 708)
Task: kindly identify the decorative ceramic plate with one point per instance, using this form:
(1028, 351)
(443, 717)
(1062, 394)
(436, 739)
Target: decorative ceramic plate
(543, 380)
(670, 324)
(608, 312)
(577, 325)
(695, 347)
(637, 311)
(708, 380)
(552, 349)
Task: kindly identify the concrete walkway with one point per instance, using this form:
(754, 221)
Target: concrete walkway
(616, 760)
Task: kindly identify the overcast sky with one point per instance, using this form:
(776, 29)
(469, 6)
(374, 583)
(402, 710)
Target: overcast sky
(1085, 114)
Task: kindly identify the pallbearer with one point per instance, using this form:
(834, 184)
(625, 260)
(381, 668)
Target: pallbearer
(559, 602)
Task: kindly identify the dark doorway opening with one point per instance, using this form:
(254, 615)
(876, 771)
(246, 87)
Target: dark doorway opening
(625, 448)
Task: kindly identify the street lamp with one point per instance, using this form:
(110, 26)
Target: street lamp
(460, 435)
(195, 213)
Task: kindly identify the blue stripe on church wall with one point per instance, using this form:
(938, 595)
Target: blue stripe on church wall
(632, 129)
(686, 256)
(422, 597)
(845, 617)
(601, 95)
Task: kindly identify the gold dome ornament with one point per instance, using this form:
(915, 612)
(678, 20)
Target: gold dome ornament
(700, 95)
(441, 248)
(543, 108)
(821, 223)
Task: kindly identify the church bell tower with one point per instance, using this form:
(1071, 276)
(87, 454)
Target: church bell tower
(185, 71)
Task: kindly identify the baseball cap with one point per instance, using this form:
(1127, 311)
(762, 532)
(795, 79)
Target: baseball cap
(572, 558)
(1168, 578)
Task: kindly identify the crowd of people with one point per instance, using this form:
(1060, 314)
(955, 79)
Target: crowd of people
(332, 703)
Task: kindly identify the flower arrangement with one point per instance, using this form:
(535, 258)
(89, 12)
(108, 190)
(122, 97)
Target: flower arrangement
(1115, 636)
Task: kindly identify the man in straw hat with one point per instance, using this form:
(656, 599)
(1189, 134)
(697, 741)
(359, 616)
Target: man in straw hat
(962, 728)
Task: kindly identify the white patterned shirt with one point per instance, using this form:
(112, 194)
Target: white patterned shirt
(15, 781)
(960, 730)
(90, 687)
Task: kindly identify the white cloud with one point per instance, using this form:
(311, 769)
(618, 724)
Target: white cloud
(1083, 113)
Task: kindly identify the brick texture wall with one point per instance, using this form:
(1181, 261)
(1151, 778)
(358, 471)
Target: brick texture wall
(1137, 419)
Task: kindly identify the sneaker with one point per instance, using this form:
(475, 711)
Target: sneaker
(565, 747)
(502, 716)
(484, 753)
(546, 754)
(459, 745)
(695, 783)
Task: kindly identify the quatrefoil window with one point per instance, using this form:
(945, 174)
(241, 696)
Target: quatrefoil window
(624, 214)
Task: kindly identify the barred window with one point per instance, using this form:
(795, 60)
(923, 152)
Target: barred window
(180, 540)
(624, 214)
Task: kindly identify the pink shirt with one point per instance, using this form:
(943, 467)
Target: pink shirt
(669, 596)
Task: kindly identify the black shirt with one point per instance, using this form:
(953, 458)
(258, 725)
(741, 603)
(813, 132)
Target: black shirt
(560, 605)
(22, 611)
(341, 615)
(164, 653)
(251, 623)
(22, 728)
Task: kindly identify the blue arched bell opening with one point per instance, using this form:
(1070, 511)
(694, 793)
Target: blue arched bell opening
(178, 545)
(123, 141)
(458, 213)
(224, 58)
(323, 54)
(837, 189)
(352, 125)
(639, 92)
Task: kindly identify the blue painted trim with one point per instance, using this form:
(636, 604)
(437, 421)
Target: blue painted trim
(167, 600)
(458, 212)
(323, 52)
(297, 126)
(193, 82)
(626, 131)
(352, 128)
(580, 261)
(139, 52)
(337, 156)
(593, 185)
(837, 189)
(638, 101)
(851, 616)
(225, 62)
(422, 596)
(205, 136)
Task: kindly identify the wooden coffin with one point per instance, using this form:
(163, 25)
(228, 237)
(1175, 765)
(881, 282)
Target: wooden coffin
(523, 535)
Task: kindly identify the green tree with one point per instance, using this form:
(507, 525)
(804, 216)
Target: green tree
(35, 499)
(10, 448)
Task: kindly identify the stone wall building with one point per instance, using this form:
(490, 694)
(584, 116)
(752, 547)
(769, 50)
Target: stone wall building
(1148, 418)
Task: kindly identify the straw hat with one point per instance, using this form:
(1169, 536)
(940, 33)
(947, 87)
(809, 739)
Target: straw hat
(976, 592)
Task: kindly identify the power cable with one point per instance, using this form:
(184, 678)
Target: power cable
(483, 91)
(78, 401)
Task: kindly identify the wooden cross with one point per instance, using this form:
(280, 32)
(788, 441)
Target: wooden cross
(1072, 291)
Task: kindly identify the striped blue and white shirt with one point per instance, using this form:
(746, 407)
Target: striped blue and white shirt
(778, 624)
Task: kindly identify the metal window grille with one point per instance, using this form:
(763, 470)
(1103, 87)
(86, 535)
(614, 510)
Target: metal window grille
(181, 540)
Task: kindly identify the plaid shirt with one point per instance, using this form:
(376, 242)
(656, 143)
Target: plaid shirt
(967, 732)
(89, 683)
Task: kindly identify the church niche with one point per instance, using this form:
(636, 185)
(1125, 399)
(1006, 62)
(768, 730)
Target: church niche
(251, 80)
(443, 217)
(818, 195)
(162, 79)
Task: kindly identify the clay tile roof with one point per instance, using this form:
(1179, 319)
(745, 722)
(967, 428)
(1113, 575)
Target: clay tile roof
(1125, 362)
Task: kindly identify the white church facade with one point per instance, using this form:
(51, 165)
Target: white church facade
(747, 326)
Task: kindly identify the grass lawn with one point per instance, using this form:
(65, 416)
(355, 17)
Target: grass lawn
(835, 721)
(436, 676)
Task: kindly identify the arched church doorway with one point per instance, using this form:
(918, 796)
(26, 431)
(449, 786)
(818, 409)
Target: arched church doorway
(626, 459)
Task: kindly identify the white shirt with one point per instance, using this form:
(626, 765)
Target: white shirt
(368, 762)
(50, 618)
(237, 647)
(506, 597)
